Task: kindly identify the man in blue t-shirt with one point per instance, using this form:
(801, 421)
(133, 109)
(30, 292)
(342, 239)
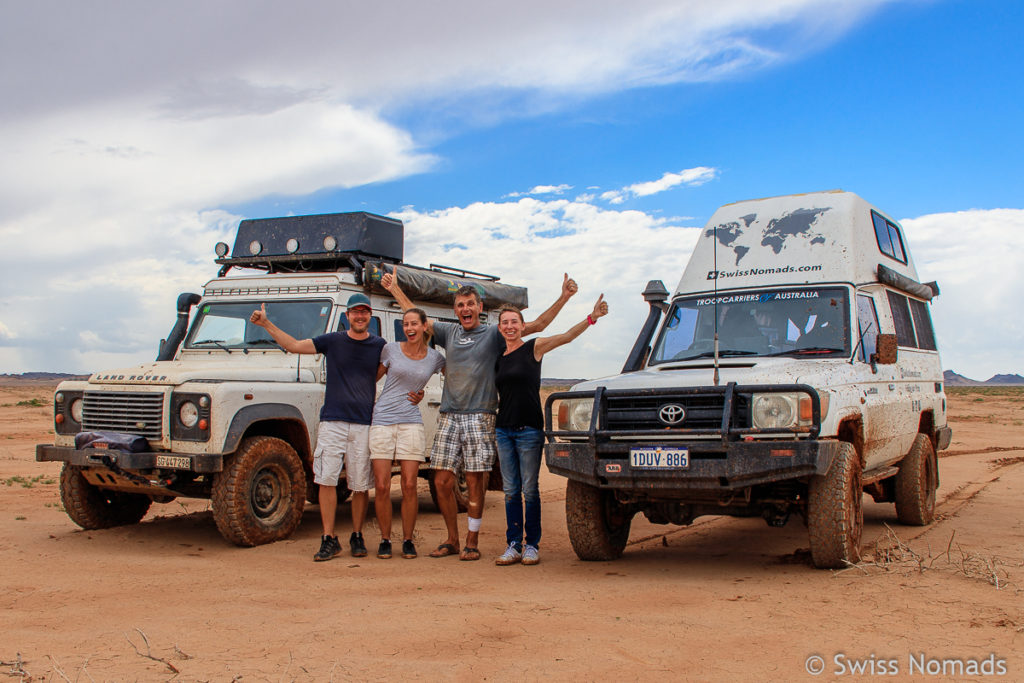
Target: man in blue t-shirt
(343, 435)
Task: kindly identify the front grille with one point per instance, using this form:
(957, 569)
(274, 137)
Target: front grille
(703, 411)
(124, 412)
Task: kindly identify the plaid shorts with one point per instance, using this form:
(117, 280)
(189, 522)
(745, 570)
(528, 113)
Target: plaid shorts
(465, 439)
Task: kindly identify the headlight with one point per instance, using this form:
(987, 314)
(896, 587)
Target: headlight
(574, 414)
(76, 410)
(781, 411)
(188, 413)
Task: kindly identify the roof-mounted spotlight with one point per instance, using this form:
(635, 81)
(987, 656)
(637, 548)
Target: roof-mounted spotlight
(292, 245)
(330, 244)
(255, 247)
(221, 249)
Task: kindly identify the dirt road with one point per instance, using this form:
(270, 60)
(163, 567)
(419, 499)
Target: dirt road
(722, 599)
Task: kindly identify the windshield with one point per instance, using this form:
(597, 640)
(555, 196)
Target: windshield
(226, 325)
(804, 322)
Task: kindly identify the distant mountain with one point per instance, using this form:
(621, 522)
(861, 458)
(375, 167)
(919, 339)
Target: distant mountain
(557, 382)
(953, 379)
(44, 375)
(1005, 379)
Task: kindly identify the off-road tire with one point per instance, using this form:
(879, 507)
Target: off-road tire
(259, 496)
(835, 511)
(461, 489)
(916, 481)
(598, 524)
(94, 508)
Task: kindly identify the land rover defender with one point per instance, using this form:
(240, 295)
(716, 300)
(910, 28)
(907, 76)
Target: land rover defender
(223, 413)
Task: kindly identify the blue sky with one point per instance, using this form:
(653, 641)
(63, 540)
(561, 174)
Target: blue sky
(135, 138)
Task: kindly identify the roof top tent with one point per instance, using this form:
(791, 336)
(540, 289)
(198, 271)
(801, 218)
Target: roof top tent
(366, 244)
(832, 236)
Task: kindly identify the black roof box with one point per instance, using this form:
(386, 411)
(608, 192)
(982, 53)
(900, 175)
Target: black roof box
(321, 242)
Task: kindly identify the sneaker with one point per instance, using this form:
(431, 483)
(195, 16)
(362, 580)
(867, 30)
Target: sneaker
(408, 549)
(510, 556)
(384, 549)
(355, 543)
(329, 547)
(531, 555)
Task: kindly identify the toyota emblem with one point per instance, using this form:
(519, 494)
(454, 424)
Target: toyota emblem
(671, 413)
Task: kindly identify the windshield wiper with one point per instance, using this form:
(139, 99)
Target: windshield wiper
(263, 342)
(218, 342)
(809, 350)
(721, 352)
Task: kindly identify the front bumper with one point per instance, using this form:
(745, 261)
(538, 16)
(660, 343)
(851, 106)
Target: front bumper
(132, 462)
(739, 465)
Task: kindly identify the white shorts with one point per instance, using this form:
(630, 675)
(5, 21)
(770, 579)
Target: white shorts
(398, 442)
(343, 444)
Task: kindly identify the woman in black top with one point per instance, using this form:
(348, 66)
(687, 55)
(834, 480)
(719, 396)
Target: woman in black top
(520, 426)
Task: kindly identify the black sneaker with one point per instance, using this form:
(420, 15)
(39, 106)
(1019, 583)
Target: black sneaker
(384, 550)
(355, 543)
(408, 549)
(329, 547)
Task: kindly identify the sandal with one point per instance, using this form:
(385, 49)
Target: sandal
(444, 550)
(469, 554)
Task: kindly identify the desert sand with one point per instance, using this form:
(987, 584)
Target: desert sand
(723, 599)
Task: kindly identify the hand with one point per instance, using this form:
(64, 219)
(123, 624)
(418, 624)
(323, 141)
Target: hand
(415, 397)
(568, 286)
(600, 308)
(260, 317)
(389, 282)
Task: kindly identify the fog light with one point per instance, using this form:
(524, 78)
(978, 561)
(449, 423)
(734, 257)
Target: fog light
(255, 247)
(292, 245)
(221, 249)
(330, 244)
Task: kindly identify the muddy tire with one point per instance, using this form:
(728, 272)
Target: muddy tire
(461, 490)
(94, 508)
(259, 496)
(916, 482)
(835, 512)
(598, 524)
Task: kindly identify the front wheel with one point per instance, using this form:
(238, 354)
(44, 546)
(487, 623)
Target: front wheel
(598, 524)
(259, 497)
(916, 481)
(93, 508)
(835, 514)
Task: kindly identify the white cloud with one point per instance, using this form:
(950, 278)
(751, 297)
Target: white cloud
(606, 251)
(128, 127)
(691, 176)
(975, 257)
(542, 189)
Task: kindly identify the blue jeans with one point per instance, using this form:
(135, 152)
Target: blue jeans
(519, 454)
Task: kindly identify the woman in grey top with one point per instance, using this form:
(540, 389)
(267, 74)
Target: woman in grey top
(396, 432)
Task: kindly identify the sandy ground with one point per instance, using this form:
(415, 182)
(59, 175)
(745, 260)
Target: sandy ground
(723, 599)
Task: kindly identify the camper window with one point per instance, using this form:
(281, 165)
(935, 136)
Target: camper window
(890, 242)
(901, 319)
(922, 325)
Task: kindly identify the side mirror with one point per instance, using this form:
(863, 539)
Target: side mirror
(885, 350)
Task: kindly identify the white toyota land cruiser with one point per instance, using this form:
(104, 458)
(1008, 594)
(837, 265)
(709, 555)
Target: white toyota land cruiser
(229, 416)
(794, 369)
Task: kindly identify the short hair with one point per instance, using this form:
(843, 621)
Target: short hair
(423, 319)
(468, 290)
(509, 308)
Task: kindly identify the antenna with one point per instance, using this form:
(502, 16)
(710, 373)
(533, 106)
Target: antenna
(715, 299)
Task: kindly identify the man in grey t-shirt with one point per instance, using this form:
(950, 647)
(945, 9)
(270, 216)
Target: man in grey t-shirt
(469, 401)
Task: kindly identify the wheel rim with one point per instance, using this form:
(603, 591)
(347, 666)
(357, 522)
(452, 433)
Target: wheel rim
(267, 494)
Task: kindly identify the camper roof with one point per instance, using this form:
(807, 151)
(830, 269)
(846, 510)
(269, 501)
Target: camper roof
(832, 236)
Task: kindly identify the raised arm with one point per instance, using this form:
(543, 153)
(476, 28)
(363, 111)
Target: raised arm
(545, 344)
(544, 319)
(390, 283)
(283, 339)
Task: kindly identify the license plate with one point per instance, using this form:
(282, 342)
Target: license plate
(174, 461)
(659, 458)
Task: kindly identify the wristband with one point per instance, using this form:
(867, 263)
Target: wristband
(591, 320)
